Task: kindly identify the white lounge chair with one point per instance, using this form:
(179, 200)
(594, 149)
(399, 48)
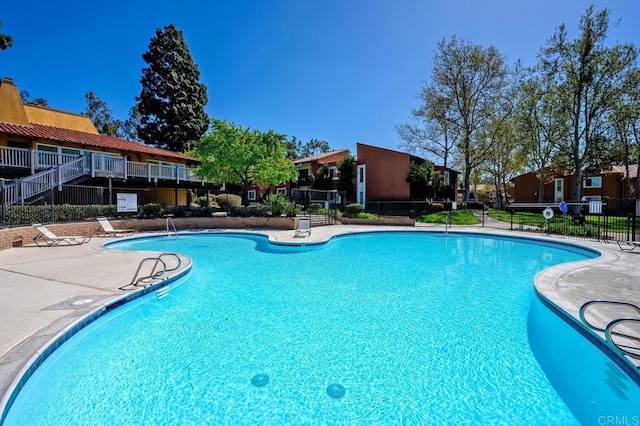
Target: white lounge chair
(46, 238)
(304, 229)
(631, 245)
(106, 230)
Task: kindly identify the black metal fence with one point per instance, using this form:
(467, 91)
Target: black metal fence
(320, 206)
(614, 219)
(70, 203)
(412, 209)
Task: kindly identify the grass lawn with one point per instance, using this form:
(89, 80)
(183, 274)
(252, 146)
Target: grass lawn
(457, 217)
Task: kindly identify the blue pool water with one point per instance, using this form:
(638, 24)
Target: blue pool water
(412, 328)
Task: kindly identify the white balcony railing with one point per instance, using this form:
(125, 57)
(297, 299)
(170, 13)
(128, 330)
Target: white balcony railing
(138, 170)
(57, 168)
(15, 157)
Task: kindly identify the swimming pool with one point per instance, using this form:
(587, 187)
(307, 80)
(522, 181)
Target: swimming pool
(415, 327)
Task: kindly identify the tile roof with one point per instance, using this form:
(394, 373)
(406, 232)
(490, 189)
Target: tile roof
(318, 157)
(58, 134)
(633, 170)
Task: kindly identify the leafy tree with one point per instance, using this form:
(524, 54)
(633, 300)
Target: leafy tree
(101, 116)
(291, 147)
(589, 76)
(129, 127)
(347, 170)
(172, 100)
(505, 158)
(232, 154)
(312, 147)
(424, 179)
(24, 96)
(470, 81)
(433, 130)
(541, 123)
(625, 125)
(6, 41)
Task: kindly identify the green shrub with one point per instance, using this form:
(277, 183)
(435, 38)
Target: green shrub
(252, 210)
(365, 215)
(353, 210)
(151, 210)
(278, 205)
(316, 208)
(226, 201)
(290, 210)
(18, 215)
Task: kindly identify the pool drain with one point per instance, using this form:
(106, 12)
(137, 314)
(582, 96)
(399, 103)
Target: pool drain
(260, 380)
(335, 390)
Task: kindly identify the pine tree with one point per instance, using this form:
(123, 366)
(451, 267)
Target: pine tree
(6, 41)
(172, 100)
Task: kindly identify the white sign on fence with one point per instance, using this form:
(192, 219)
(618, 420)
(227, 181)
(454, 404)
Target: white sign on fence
(127, 203)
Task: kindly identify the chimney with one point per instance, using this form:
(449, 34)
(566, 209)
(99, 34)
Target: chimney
(11, 109)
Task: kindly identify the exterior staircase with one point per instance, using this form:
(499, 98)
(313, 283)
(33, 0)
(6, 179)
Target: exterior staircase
(23, 190)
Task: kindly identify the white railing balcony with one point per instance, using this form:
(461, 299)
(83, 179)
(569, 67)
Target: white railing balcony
(162, 171)
(15, 157)
(138, 170)
(107, 165)
(46, 159)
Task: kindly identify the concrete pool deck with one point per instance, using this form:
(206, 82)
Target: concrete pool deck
(43, 290)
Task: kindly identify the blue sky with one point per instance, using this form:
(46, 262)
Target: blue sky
(344, 71)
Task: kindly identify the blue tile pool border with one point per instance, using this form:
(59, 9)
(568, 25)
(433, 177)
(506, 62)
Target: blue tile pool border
(621, 361)
(74, 328)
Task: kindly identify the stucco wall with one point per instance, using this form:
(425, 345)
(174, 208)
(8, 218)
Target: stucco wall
(386, 174)
(11, 110)
(63, 119)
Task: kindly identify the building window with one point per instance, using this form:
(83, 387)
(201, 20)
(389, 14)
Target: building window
(251, 195)
(333, 173)
(446, 177)
(593, 182)
(282, 191)
(16, 144)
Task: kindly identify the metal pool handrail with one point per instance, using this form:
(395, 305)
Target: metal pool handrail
(155, 273)
(632, 351)
(584, 307)
(175, 231)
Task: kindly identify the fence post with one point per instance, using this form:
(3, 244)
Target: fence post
(53, 207)
(511, 226)
(483, 210)
(4, 209)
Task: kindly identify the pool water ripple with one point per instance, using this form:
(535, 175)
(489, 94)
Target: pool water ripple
(417, 328)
